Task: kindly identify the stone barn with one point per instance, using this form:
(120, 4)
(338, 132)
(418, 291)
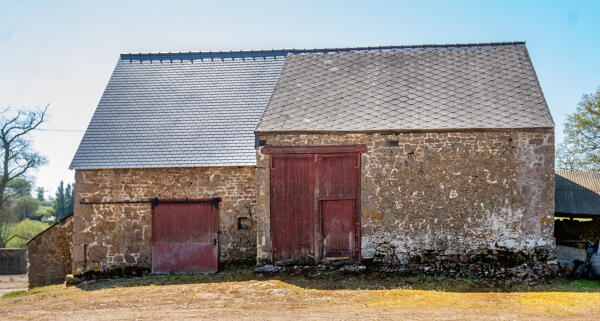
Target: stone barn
(429, 155)
(391, 155)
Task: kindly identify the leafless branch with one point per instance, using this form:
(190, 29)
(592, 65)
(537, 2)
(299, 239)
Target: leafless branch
(16, 155)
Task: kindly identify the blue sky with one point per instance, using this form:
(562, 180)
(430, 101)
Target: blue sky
(63, 52)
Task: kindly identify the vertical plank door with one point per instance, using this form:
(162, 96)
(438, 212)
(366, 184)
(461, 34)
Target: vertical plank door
(338, 192)
(292, 207)
(184, 238)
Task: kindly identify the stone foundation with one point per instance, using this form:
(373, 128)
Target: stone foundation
(50, 254)
(441, 198)
(118, 236)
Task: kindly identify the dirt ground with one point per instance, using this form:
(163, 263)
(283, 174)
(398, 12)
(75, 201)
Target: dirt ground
(244, 295)
(11, 283)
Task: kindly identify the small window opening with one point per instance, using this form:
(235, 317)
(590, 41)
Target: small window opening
(392, 143)
(243, 223)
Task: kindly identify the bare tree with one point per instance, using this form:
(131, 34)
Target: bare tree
(16, 154)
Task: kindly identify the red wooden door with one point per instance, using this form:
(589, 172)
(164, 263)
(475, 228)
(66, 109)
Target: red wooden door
(338, 192)
(338, 227)
(292, 207)
(184, 237)
(315, 196)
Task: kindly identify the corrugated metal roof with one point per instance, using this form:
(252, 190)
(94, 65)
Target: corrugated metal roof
(430, 88)
(577, 193)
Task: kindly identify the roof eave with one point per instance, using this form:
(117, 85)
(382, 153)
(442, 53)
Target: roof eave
(156, 167)
(408, 130)
(576, 215)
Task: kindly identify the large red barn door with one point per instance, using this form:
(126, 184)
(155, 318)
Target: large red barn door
(292, 207)
(184, 234)
(315, 197)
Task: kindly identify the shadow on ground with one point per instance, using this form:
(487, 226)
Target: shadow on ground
(338, 280)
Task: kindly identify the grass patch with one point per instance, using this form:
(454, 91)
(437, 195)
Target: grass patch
(44, 211)
(14, 294)
(26, 229)
(335, 280)
(571, 286)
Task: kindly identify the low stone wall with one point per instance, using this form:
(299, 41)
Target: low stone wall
(13, 261)
(119, 236)
(50, 254)
(442, 198)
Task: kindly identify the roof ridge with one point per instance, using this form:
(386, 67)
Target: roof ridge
(283, 51)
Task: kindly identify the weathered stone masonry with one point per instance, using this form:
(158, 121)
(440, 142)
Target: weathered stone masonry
(120, 235)
(448, 196)
(50, 257)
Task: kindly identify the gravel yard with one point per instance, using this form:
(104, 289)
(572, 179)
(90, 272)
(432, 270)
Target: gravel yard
(241, 294)
(11, 283)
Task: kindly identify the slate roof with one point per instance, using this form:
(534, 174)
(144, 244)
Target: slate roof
(201, 108)
(180, 110)
(477, 86)
(577, 193)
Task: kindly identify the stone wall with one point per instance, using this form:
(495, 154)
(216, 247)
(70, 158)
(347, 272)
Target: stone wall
(441, 197)
(13, 261)
(50, 254)
(120, 235)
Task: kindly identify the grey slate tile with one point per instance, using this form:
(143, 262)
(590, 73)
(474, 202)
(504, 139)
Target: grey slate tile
(201, 109)
(186, 112)
(471, 87)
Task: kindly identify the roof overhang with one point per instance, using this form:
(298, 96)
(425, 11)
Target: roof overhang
(576, 215)
(403, 131)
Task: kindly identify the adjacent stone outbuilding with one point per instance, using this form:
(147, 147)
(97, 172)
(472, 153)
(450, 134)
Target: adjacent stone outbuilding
(456, 161)
(50, 258)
